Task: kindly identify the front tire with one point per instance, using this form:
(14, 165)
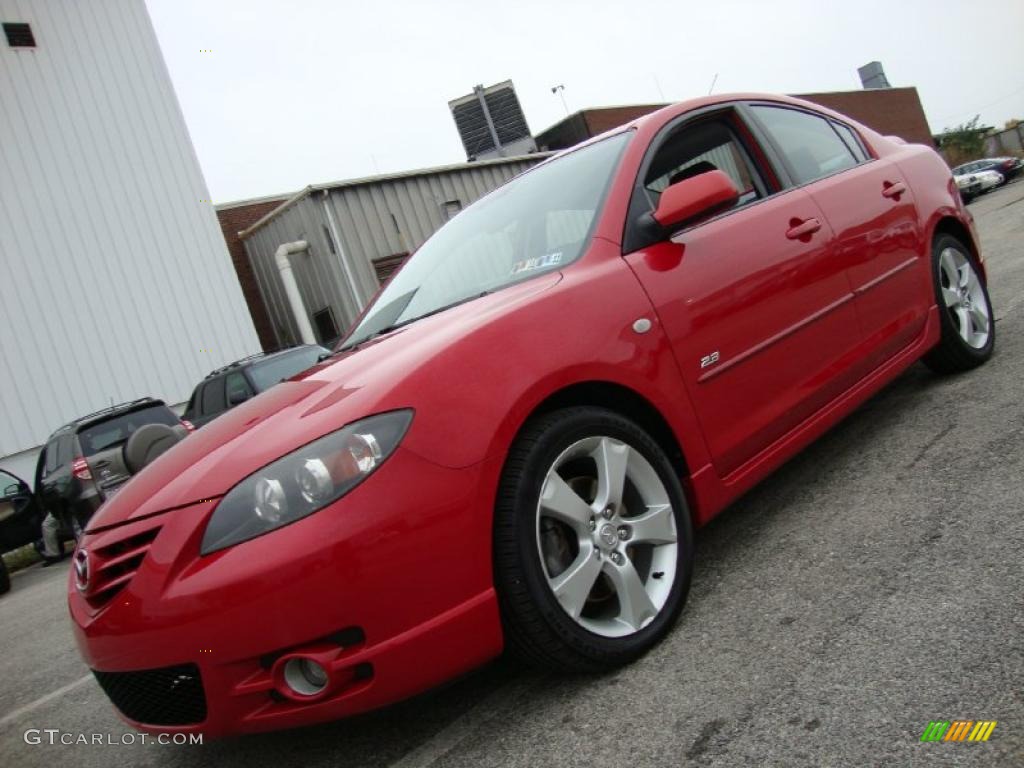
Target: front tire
(967, 323)
(593, 542)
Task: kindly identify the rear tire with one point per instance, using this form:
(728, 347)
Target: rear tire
(589, 506)
(5, 578)
(966, 320)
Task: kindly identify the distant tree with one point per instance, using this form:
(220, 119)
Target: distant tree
(964, 142)
(1012, 123)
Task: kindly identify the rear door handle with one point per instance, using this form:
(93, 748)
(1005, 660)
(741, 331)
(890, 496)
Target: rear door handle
(799, 230)
(893, 191)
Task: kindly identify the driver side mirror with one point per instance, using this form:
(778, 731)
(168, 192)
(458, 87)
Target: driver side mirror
(700, 194)
(12, 490)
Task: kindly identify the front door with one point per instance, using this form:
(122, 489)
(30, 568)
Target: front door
(755, 301)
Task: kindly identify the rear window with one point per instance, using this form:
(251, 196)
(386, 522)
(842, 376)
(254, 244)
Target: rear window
(270, 372)
(107, 434)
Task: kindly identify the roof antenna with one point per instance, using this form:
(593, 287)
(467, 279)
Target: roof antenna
(713, 81)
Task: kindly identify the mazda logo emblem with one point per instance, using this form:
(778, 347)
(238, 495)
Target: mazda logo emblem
(82, 570)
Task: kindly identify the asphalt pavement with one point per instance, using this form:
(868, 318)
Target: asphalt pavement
(872, 585)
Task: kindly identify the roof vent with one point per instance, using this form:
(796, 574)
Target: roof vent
(872, 75)
(19, 35)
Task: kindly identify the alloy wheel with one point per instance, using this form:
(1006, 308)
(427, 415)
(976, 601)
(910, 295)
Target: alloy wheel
(607, 537)
(964, 297)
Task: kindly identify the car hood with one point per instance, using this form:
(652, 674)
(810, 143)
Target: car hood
(384, 374)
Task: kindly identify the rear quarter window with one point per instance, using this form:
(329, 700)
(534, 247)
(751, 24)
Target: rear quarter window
(213, 396)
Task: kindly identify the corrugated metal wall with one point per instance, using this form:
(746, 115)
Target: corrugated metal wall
(116, 280)
(374, 219)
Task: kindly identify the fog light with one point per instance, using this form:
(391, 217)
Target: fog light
(305, 676)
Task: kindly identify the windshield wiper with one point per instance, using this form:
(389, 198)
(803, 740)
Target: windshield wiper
(409, 321)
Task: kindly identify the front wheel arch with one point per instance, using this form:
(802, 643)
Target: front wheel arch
(628, 403)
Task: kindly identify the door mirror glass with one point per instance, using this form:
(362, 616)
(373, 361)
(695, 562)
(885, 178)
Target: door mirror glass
(692, 197)
(12, 490)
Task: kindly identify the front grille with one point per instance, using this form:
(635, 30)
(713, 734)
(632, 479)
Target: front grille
(114, 565)
(166, 696)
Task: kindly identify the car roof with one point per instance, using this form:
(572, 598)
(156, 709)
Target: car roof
(253, 359)
(105, 414)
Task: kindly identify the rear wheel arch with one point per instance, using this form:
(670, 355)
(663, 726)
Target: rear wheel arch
(952, 226)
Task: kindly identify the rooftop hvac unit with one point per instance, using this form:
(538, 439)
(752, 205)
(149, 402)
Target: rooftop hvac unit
(491, 123)
(872, 75)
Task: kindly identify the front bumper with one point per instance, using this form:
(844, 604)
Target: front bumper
(390, 587)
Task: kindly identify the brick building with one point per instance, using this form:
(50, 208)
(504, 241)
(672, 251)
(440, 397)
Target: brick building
(233, 218)
(890, 111)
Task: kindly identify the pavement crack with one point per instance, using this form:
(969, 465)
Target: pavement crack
(928, 446)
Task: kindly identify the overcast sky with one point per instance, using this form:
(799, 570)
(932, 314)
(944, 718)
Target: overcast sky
(304, 91)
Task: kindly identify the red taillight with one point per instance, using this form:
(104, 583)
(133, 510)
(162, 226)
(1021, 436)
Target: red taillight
(80, 469)
(188, 425)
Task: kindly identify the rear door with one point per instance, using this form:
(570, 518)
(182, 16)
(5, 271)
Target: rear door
(755, 301)
(871, 210)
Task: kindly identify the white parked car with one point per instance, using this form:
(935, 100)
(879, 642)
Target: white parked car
(973, 184)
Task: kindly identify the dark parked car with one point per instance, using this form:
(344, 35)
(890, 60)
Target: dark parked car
(82, 463)
(235, 383)
(1008, 167)
(20, 516)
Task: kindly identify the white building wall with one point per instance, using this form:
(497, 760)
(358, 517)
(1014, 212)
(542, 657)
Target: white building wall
(115, 281)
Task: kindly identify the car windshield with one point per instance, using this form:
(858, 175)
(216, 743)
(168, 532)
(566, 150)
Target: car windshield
(267, 373)
(537, 223)
(107, 434)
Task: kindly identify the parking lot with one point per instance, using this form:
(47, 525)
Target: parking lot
(872, 585)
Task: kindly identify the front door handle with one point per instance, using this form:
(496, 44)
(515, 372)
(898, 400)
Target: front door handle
(893, 190)
(802, 230)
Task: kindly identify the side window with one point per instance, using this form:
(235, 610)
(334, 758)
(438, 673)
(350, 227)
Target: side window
(810, 146)
(213, 396)
(65, 449)
(238, 388)
(51, 455)
(852, 141)
(698, 148)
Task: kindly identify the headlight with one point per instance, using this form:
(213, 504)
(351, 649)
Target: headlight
(304, 481)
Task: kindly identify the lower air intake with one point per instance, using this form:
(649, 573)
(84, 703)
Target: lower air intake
(166, 696)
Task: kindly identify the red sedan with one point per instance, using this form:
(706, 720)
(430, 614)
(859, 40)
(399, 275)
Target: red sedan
(514, 444)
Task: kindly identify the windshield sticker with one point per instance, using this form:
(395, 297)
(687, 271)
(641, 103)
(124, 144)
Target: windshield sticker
(537, 262)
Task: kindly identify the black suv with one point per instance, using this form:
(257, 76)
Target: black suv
(233, 384)
(82, 463)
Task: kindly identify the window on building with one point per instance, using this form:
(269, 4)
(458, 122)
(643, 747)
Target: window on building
(19, 35)
(450, 207)
(386, 266)
(330, 240)
(811, 148)
(326, 328)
